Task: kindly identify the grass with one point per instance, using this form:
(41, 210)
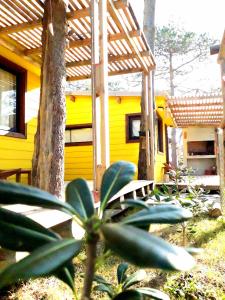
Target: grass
(205, 282)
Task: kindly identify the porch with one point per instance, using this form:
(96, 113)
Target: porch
(208, 182)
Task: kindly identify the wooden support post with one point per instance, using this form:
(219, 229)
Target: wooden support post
(99, 90)
(222, 139)
(147, 127)
(151, 128)
(104, 97)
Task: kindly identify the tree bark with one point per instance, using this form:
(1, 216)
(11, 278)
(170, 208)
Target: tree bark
(173, 130)
(149, 30)
(48, 157)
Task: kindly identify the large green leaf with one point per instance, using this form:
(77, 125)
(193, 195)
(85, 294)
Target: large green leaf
(100, 279)
(114, 179)
(129, 295)
(105, 289)
(152, 293)
(135, 203)
(79, 196)
(18, 238)
(121, 270)
(145, 250)
(159, 214)
(14, 193)
(134, 278)
(25, 222)
(42, 261)
(66, 274)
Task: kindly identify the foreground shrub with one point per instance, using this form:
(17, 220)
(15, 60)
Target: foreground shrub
(52, 255)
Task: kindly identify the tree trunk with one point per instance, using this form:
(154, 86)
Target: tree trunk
(149, 30)
(174, 147)
(48, 158)
(173, 130)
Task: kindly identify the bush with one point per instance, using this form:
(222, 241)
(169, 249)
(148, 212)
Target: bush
(52, 255)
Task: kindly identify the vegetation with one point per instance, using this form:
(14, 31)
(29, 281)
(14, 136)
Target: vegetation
(205, 281)
(177, 51)
(52, 255)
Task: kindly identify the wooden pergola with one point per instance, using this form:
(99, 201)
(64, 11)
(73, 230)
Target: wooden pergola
(204, 110)
(103, 38)
(128, 51)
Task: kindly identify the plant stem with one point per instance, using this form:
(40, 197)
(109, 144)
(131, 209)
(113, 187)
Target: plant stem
(90, 268)
(184, 234)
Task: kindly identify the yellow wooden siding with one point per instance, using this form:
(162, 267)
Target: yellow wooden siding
(17, 152)
(78, 159)
(160, 157)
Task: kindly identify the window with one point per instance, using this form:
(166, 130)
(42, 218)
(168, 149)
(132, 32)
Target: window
(12, 99)
(133, 127)
(160, 133)
(78, 135)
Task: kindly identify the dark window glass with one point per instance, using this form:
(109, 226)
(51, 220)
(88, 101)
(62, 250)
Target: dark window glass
(12, 98)
(76, 135)
(160, 133)
(133, 127)
(7, 101)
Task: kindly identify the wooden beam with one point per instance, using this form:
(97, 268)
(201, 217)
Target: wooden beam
(104, 97)
(99, 72)
(221, 55)
(111, 58)
(187, 98)
(111, 73)
(145, 96)
(221, 153)
(176, 106)
(95, 96)
(73, 15)
(216, 110)
(122, 27)
(76, 14)
(151, 125)
(86, 42)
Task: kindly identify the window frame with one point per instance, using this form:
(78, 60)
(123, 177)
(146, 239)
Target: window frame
(21, 85)
(160, 136)
(129, 119)
(78, 126)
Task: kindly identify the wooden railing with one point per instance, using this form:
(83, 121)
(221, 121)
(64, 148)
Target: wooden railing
(4, 174)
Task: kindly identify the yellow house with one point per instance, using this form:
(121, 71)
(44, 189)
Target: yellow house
(124, 121)
(18, 119)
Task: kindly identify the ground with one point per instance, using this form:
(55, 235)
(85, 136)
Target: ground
(205, 282)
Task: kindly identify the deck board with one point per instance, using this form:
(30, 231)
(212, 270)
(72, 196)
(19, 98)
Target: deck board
(209, 182)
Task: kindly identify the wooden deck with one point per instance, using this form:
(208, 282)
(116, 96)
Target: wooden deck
(51, 218)
(209, 182)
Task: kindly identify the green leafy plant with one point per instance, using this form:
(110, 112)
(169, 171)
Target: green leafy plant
(124, 282)
(51, 254)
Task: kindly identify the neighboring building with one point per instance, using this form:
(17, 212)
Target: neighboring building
(200, 149)
(199, 116)
(18, 121)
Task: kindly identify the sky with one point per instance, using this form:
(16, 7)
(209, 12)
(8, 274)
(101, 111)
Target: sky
(193, 15)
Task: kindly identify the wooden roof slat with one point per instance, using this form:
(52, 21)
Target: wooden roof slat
(122, 27)
(85, 42)
(113, 73)
(128, 51)
(110, 59)
(77, 14)
(195, 110)
(38, 23)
